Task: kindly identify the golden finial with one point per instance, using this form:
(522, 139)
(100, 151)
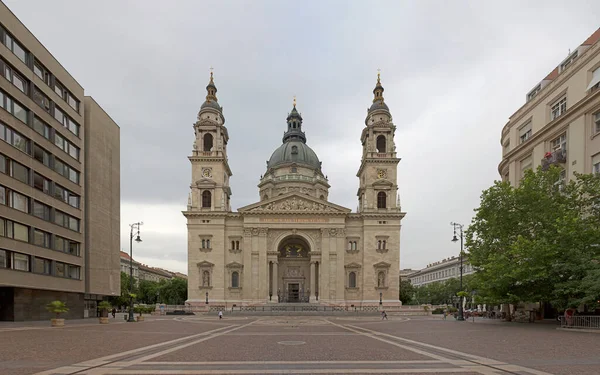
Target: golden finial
(211, 73)
(294, 101)
(378, 75)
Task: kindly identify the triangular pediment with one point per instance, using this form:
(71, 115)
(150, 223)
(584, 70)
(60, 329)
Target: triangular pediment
(234, 265)
(353, 265)
(382, 265)
(383, 183)
(205, 182)
(294, 202)
(204, 264)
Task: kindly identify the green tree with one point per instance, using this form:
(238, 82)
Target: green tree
(537, 241)
(123, 299)
(173, 291)
(148, 291)
(406, 292)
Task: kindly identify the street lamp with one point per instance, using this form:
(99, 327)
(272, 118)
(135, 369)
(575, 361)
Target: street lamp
(380, 297)
(207, 298)
(134, 227)
(454, 239)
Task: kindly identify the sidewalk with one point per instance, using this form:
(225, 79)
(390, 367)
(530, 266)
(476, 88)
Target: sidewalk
(38, 324)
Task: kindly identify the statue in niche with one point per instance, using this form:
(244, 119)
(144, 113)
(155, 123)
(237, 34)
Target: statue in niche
(205, 278)
(381, 280)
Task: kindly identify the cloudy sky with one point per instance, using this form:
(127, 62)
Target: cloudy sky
(453, 73)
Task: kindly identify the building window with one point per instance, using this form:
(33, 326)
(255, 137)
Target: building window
(381, 144)
(20, 262)
(235, 279)
(558, 108)
(15, 47)
(560, 142)
(352, 279)
(294, 170)
(534, 92)
(208, 142)
(41, 155)
(19, 172)
(595, 82)
(41, 210)
(507, 146)
(14, 138)
(597, 121)
(65, 170)
(19, 202)
(568, 62)
(205, 243)
(13, 230)
(59, 269)
(41, 127)
(596, 164)
(66, 196)
(294, 150)
(526, 164)
(42, 266)
(9, 73)
(74, 272)
(381, 199)
(3, 259)
(41, 99)
(13, 107)
(66, 220)
(41, 183)
(206, 199)
(525, 132)
(41, 238)
(66, 246)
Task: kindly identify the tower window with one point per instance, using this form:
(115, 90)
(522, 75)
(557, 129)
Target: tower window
(208, 142)
(381, 199)
(294, 150)
(206, 198)
(235, 280)
(381, 143)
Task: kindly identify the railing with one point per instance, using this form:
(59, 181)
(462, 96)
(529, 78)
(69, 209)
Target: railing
(556, 157)
(580, 322)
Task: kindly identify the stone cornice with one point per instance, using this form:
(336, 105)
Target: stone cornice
(366, 161)
(220, 159)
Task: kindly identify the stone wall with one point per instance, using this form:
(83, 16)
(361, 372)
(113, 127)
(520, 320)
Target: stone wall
(30, 304)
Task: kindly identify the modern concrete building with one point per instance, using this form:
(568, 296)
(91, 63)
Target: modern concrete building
(293, 245)
(59, 184)
(445, 269)
(559, 124)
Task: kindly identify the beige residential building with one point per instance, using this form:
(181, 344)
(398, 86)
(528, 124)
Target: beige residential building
(442, 270)
(559, 124)
(293, 245)
(59, 184)
(154, 274)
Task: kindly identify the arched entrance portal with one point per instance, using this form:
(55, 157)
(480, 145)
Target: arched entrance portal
(294, 269)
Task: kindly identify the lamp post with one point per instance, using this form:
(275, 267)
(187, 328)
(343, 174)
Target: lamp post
(207, 298)
(135, 227)
(454, 239)
(380, 298)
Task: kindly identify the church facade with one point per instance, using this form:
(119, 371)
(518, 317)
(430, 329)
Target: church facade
(293, 245)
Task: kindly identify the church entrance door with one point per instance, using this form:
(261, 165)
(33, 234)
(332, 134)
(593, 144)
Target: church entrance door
(293, 292)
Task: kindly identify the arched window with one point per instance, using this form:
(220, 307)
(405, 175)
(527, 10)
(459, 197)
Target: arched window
(208, 142)
(381, 199)
(381, 143)
(205, 278)
(294, 150)
(352, 280)
(232, 245)
(379, 244)
(350, 245)
(383, 245)
(204, 244)
(322, 197)
(354, 245)
(381, 279)
(265, 197)
(235, 280)
(208, 244)
(206, 201)
(237, 245)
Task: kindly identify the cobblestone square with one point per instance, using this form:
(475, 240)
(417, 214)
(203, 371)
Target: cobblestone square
(296, 345)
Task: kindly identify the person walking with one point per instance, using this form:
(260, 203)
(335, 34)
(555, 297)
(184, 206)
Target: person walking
(114, 312)
(220, 315)
(384, 315)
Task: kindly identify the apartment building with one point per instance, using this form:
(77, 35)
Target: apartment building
(442, 270)
(59, 184)
(559, 124)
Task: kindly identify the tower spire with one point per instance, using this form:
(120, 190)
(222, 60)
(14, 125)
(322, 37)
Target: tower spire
(294, 126)
(211, 89)
(378, 90)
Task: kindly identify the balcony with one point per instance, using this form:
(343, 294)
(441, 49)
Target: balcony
(554, 158)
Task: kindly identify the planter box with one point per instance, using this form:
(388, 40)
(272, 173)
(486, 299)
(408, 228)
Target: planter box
(57, 322)
(140, 318)
(103, 320)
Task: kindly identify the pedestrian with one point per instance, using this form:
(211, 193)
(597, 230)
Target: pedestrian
(384, 315)
(114, 312)
(445, 313)
(220, 314)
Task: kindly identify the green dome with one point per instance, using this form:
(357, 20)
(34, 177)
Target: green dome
(294, 152)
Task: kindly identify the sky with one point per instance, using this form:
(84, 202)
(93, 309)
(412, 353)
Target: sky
(453, 73)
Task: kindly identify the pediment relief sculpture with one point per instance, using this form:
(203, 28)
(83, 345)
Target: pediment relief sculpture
(295, 204)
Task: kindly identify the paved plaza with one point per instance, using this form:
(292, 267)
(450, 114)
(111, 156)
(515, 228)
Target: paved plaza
(296, 345)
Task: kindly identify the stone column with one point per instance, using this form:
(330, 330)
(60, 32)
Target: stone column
(274, 278)
(312, 282)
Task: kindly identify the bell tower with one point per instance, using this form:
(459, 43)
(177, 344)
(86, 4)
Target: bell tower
(378, 180)
(210, 189)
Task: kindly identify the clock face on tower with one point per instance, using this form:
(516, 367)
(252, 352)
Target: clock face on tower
(381, 173)
(206, 172)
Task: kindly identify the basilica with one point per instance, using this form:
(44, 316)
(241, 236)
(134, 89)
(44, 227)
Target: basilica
(293, 245)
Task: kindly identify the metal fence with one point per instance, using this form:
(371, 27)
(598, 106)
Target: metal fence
(580, 322)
